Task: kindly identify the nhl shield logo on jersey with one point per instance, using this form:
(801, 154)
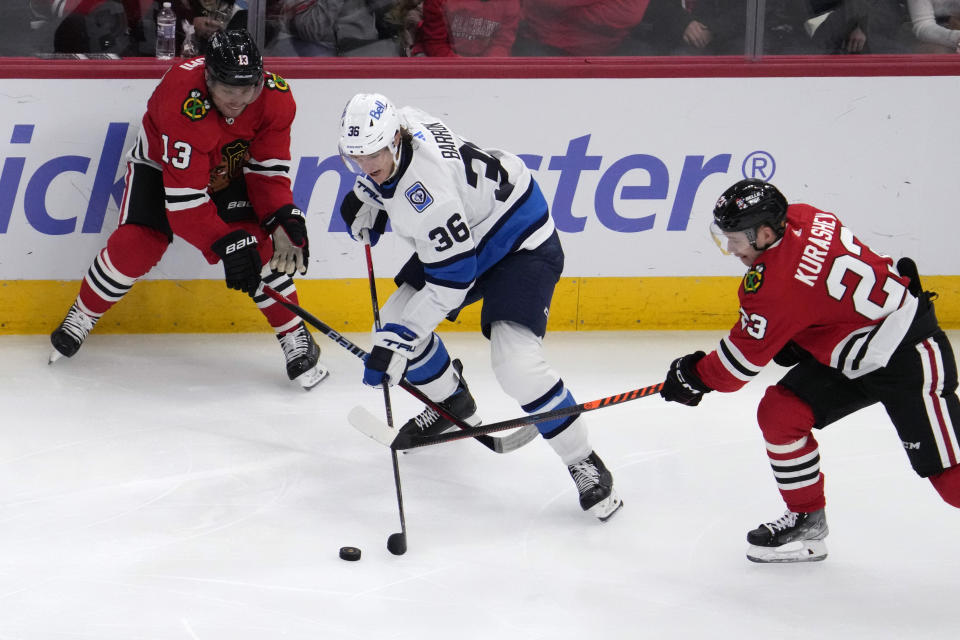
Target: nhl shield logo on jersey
(196, 106)
(419, 197)
(754, 279)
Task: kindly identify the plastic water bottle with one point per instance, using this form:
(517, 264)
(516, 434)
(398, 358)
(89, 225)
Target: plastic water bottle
(166, 33)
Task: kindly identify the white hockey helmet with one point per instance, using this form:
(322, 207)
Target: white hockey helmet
(368, 124)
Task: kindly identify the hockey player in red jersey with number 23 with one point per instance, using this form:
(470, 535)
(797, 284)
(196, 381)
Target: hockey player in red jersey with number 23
(855, 330)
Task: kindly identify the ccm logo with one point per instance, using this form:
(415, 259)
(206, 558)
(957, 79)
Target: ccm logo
(249, 241)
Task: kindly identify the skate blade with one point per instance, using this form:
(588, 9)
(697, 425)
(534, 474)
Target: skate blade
(606, 508)
(309, 379)
(54, 356)
(798, 551)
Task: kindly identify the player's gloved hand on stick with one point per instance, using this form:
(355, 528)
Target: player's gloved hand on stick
(387, 362)
(360, 215)
(241, 260)
(682, 384)
(291, 247)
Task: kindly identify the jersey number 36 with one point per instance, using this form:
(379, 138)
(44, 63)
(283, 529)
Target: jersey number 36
(456, 230)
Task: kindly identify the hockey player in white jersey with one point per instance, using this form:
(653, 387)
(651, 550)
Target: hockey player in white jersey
(481, 229)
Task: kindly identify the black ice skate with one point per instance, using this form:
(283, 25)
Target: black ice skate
(595, 484)
(303, 357)
(460, 404)
(67, 338)
(794, 537)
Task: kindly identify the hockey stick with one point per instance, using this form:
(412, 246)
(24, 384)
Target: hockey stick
(397, 542)
(504, 444)
(371, 427)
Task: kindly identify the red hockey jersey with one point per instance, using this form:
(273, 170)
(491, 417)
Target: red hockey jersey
(825, 290)
(197, 149)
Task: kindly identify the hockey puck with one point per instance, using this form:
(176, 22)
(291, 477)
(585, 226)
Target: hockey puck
(351, 554)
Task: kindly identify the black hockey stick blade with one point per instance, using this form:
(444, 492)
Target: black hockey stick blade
(495, 444)
(370, 426)
(373, 427)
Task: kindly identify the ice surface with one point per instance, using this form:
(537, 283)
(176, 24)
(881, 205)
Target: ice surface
(179, 487)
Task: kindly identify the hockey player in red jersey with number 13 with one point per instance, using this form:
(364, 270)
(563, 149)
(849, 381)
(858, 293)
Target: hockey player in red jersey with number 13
(211, 165)
(855, 331)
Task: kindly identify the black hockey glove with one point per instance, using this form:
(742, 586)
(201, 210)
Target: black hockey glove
(682, 384)
(359, 215)
(241, 260)
(291, 247)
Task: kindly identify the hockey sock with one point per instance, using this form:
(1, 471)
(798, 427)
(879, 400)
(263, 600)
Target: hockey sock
(947, 484)
(131, 251)
(786, 422)
(570, 443)
(280, 318)
(430, 370)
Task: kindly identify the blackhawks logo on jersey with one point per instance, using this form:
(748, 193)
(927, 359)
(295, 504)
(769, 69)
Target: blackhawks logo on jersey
(233, 156)
(754, 279)
(276, 82)
(195, 106)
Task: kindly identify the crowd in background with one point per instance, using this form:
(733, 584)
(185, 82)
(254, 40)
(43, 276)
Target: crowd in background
(470, 28)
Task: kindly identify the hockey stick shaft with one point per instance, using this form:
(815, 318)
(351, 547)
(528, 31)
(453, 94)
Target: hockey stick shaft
(498, 445)
(388, 407)
(402, 442)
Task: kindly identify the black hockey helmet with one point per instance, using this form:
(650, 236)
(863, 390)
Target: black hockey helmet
(748, 204)
(233, 58)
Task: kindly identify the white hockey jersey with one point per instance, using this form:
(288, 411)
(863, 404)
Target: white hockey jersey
(463, 208)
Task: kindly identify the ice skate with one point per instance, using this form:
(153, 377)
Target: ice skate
(460, 404)
(303, 357)
(794, 537)
(69, 336)
(595, 484)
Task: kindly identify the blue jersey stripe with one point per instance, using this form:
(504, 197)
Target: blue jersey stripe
(456, 274)
(527, 215)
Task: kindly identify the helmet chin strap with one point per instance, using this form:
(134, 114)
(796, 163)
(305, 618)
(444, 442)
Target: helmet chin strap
(397, 149)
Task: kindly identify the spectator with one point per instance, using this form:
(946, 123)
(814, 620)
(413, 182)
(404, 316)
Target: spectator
(198, 20)
(406, 17)
(599, 27)
(936, 25)
(858, 26)
(91, 26)
(577, 27)
(469, 27)
(313, 28)
(719, 27)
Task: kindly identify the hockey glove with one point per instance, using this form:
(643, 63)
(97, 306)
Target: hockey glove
(241, 260)
(392, 347)
(291, 247)
(682, 384)
(360, 216)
